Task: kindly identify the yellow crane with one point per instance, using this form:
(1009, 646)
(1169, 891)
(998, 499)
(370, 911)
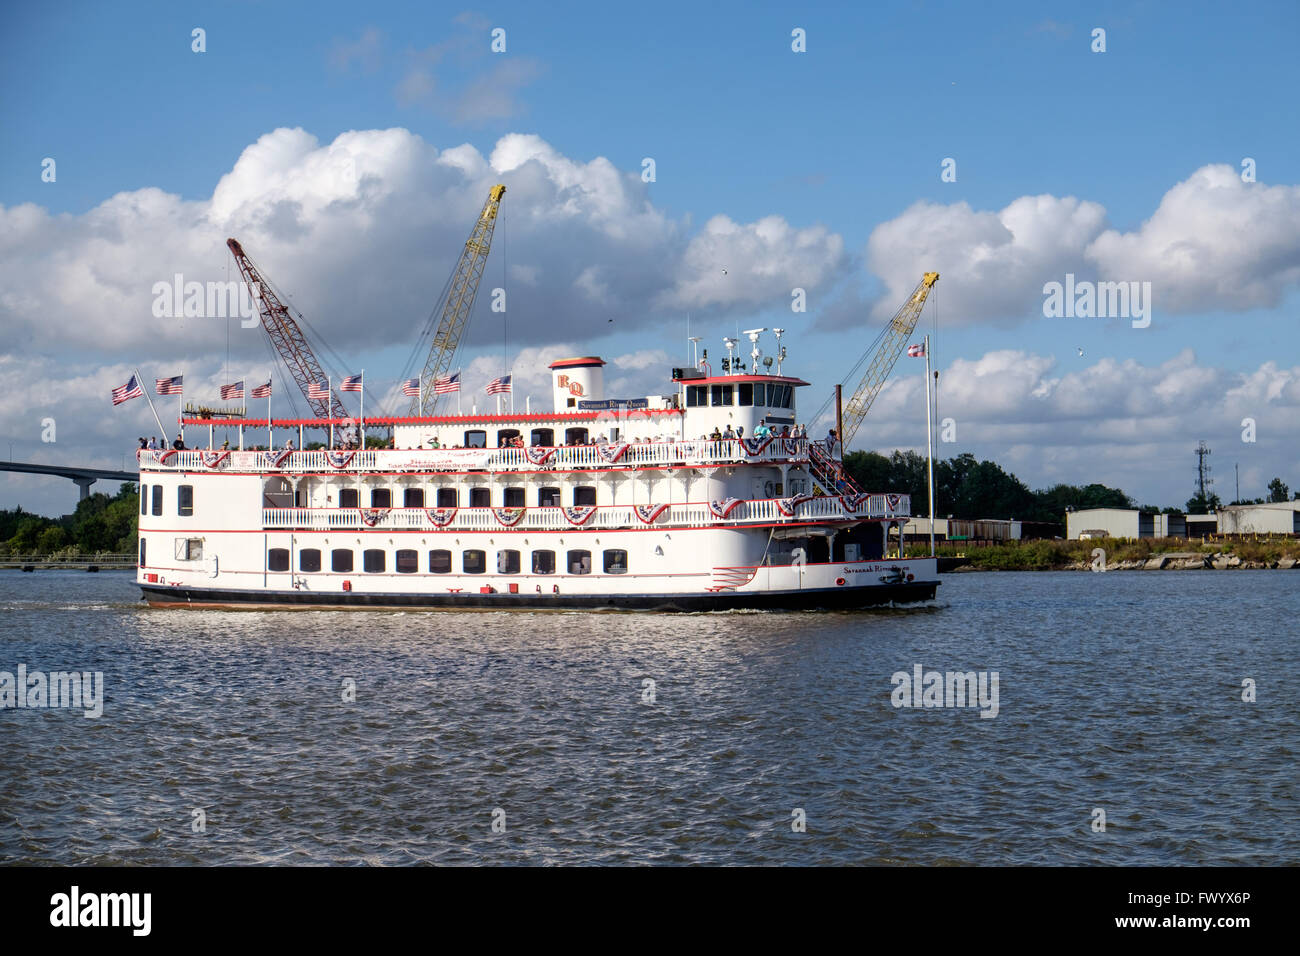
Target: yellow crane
(893, 341)
(458, 303)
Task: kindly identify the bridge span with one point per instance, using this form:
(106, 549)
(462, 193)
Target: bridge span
(82, 477)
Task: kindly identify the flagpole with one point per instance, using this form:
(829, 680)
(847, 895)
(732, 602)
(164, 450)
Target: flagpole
(180, 409)
(457, 393)
(270, 442)
(361, 436)
(329, 406)
(929, 443)
(139, 378)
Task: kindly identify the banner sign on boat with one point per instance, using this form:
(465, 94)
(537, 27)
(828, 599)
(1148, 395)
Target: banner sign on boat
(612, 403)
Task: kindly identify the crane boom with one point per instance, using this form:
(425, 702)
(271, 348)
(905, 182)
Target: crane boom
(899, 331)
(287, 337)
(459, 303)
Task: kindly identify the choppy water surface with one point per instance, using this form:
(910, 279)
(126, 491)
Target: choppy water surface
(1119, 691)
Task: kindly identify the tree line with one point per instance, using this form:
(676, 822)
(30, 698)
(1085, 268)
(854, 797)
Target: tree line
(100, 523)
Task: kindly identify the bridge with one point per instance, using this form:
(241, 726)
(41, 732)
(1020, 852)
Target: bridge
(82, 477)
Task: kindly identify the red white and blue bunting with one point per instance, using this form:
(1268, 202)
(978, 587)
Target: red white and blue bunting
(721, 509)
(441, 517)
(338, 459)
(892, 501)
(613, 452)
(649, 513)
(280, 457)
(790, 446)
(371, 516)
(161, 456)
(509, 517)
(853, 502)
(788, 506)
(755, 446)
(579, 516)
(211, 459)
(538, 456)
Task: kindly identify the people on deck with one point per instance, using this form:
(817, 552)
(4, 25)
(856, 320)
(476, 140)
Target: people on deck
(179, 443)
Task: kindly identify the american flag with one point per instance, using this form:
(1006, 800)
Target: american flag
(351, 384)
(318, 390)
(499, 386)
(411, 388)
(168, 386)
(916, 351)
(261, 391)
(124, 393)
(451, 383)
(232, 391)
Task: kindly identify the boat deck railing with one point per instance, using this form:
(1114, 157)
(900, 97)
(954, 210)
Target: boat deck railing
(687, 453)
(732, 512)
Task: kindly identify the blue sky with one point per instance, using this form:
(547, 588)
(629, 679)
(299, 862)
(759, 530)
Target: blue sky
(847, 136)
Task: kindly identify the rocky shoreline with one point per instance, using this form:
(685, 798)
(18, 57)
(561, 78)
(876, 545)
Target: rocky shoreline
(1176, 561)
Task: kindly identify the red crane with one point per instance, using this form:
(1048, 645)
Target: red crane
(287, 337)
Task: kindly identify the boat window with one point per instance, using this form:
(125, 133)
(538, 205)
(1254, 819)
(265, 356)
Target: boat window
(348, 498)
(505, 435)
(440, 561)
(446, 497)
(185, 500)
(579, 562)
(615, 561)
(309, 559)
(474, 562)
(157, 499)
(507, 562)
(341, 560)
(142, 562)
(476, 439)
(584, 495)
(787, 396)
(407, 561)
(548, 497)
(512, 497)
(544, 437)
(189, 549)
(722, 395)
(277, 559)
(479, 498)
(697, 395)
(381, 497)
(276, 493)
(543, 562)
(373, 560)
(575, 436)
(413, 498)
(144, 499)
(745, 393)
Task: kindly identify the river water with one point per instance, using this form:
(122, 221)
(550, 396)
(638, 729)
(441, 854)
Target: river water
(765, 738)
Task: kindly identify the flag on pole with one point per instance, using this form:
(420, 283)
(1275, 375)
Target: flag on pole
(916, 351)
(261, 391)
(318, 391)
(448, 384)
(411, 388)
(124, 393)
(499, 386)
(229, 392)
(168, 386)
(351, 384)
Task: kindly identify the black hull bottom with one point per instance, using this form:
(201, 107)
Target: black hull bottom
(828, 599)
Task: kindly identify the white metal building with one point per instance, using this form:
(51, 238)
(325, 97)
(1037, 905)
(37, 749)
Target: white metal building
(1281, 517)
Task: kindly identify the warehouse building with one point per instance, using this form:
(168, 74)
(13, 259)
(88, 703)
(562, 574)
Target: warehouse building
(1279, 517)
(1131, 523)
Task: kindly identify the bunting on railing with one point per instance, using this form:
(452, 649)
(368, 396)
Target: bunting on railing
(790, 446)
(612, 452)
(213, 458)
(648, 513)
(788, 506)
(579, 516)
(853, 502)
(755, 446)
(892, 501)
(441, 517)
(721, 509)
(371, 516)
(161, 456)
(509, 517)
(539, 456)
(280, 457)
(339, 459)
